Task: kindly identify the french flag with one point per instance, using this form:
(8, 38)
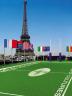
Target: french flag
(12, 43)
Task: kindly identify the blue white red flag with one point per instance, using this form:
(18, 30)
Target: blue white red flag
(12, 43)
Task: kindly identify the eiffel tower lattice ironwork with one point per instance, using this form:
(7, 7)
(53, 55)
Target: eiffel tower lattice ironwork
(25, 36)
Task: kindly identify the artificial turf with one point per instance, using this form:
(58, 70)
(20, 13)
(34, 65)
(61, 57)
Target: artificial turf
(18, 82)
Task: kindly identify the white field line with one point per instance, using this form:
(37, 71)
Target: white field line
(5, 69)
(49, 73)
(58, 73)
(61, 91)
(67, 87)
(9, 94)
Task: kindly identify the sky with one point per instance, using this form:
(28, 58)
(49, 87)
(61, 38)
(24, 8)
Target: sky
(49, 23)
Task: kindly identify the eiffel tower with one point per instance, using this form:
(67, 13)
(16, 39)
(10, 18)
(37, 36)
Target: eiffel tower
(25, 36)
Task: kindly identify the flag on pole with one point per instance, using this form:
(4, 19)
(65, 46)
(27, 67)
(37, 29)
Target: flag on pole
(20, 44)
(26, 45)
(43, 48)
(69, 48)
(31, 47)
(46, 48)
(38, 49)
(12, 43)
(5, 46)
(5, 43)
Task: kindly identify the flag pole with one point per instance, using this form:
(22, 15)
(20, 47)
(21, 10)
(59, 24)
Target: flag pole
(24, 55)
(50, 52)
(50, 46)
(43, 56)
(60, 50)
(4, 56)
(5, 46)
(60, 45)
(24, 52)
(43, 52)
(11, 55)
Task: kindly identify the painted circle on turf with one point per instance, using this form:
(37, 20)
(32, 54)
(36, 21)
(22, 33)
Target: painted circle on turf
(39, 72)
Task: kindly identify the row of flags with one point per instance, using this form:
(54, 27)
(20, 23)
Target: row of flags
(47, 48)
(26, 45)
(17, 44)
(43, 48)
(69, 48)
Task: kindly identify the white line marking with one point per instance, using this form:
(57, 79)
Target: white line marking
(58, 72)
(10, 94)
(5, 69)
(64, 85)
(26, 64)
(67, 87)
